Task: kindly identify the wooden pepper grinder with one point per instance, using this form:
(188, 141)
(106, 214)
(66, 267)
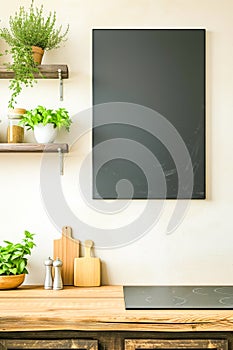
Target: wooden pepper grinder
(57, 282)
(48, 284)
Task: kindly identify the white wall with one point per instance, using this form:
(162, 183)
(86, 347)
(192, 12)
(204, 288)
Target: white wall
(200, 250)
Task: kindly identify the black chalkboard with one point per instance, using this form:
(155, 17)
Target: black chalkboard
(138, 75)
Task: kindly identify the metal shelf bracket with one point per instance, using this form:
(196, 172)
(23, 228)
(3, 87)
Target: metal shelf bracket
(61, 160)
(60, 84)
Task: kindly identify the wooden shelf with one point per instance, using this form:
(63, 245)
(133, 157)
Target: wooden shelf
(49, 71)
(34, 147)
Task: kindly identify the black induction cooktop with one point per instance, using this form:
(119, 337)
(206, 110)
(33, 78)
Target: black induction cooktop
(178, 297)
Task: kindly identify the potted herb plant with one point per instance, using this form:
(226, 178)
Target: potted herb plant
(45, 122)
(29, 32)
(13, 261)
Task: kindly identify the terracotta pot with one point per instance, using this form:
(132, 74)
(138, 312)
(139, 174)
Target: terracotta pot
(37, 54)
(11, 281)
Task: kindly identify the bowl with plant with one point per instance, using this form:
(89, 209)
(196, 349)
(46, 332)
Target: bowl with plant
(30, 33)
(46, 122)
(13, 261)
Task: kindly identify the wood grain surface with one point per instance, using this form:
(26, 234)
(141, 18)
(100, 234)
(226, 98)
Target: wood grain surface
(49, 71)
(67, 249)
(35, 344)
(97, 308)
(87, 269)
(134, 344)
(34, 147)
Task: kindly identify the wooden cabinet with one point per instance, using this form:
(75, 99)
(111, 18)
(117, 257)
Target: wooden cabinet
(161, 344)
(41, 344)
(115, 340)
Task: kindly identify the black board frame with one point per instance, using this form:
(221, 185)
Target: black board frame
(194, 196)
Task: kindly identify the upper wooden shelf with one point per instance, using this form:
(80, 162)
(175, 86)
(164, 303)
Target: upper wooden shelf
(49, 71)
(34, 147)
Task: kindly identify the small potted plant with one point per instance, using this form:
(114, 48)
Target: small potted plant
(30, 33)
(45, 122)
(13, 261)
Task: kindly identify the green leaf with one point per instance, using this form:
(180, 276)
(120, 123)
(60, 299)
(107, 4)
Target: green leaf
(21, 266)
(29, 235)
(13, 271)
(16, 255)
(8, 242)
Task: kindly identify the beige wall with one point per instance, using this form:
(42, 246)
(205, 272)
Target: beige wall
(200, 250)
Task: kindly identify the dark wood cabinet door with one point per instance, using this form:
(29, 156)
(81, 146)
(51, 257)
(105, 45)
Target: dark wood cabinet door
(183, 344)
(41, 344)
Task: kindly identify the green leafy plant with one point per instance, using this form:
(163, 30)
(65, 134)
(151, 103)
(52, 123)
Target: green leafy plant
(31, 28)
(12, 256)
(41, 115)
(27, 29)
(24, 69)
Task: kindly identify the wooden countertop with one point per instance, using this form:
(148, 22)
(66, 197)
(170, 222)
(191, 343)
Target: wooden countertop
(31, 308)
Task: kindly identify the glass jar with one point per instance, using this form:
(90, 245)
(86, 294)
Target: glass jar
(15, 132)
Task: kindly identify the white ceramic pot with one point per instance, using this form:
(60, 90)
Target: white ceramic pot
(45, 133)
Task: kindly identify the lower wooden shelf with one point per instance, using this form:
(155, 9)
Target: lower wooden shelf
(34, 147)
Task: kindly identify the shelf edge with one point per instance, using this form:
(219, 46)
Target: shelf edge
(49, 71)
(33, 147)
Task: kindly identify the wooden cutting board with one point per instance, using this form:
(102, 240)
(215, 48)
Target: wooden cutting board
(67, 249)
(87, 270)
